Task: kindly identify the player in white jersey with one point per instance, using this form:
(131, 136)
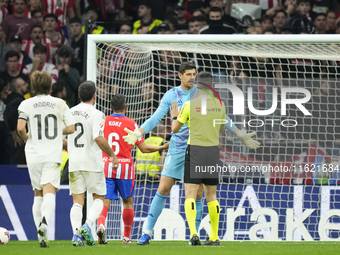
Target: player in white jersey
(46, 118)
(85, 148)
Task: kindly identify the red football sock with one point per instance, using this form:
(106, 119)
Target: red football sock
(103, 215)
(128, 215)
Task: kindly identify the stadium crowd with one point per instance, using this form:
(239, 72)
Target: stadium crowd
(48, 35)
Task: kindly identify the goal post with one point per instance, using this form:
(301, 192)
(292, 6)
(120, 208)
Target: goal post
(288, 189)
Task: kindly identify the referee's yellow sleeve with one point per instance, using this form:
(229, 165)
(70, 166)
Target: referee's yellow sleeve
(184, 115)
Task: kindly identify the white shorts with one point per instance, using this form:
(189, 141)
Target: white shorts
(93, 182)
(43, 173)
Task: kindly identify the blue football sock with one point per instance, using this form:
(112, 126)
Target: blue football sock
(199, 213)
(156, 209)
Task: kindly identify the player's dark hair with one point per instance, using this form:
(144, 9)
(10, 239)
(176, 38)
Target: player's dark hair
(204, 78)
(56, 88)
(39, 49)
(75, 20)
(12, 54)
(86, 91)
(186, 66)
(118, 103)
(51, 15)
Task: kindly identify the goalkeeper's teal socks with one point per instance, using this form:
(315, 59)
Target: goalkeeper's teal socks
(156, 209)
(199, 213)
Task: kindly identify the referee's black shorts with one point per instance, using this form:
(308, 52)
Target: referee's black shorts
(201, 165)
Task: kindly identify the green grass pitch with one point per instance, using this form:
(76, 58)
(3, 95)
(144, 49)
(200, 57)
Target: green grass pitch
(174, 248)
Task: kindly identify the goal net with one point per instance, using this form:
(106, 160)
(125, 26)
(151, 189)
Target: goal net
(285, 190)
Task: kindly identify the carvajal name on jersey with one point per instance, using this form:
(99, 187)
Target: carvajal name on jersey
(115, 123)
(81, 113)
(44, 104)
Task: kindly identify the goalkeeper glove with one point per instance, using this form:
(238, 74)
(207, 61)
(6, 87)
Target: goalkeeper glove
(247, 140)
(132, 137)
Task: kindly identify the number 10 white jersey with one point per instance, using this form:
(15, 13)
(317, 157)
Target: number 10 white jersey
(84, 153)
(46, 117)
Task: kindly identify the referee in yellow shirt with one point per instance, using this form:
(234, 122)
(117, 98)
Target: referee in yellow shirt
(202, 154)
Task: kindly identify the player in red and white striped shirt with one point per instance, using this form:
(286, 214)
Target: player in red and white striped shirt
(122, 179)
(39, 63)
(37, 38)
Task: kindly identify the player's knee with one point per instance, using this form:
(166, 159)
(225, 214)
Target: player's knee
(128, 203)
(164, 190)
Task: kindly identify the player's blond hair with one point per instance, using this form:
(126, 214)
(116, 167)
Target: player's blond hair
(41, 82)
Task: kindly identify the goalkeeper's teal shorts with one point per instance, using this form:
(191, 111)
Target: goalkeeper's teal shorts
(174, 165)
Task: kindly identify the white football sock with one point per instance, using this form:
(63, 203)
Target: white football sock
(94, 211)
(76, 215)
(36, 210)
(48, 206)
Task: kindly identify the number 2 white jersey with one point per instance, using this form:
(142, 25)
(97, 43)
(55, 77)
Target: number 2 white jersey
(84, 153)
(46, 117)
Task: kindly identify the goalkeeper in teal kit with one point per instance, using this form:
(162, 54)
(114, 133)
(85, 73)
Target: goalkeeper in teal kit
(173, 168)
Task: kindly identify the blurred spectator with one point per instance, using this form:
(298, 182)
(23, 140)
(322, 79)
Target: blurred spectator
(40, 64)
(37, 38)
(254, 30)
(51, 34)
(289, 6)
(92, 13)
(301, 20)
(269, 31)
(16, 44)
(38, 17)
(3, 13)
(193, 5)
(216, 25)
(279, 20)
(104, 68)
(304, 10)
(68, 75)
(32, 6)
(162, 29)
(166, 65)
(17, 23)
(59, 90)
(286, 30)
(125, 29)
(18, 88)
(322, 6)
(3, 131)
(145, 15)
(266, 22)
(198, 12)
(77, 44)
(103, 94)
(4, 48)
(182, 17)
(143, 29)
(195, 25)
(12, 71)
(320, 23)
(63, 9)
(172, 22)
(331, 22)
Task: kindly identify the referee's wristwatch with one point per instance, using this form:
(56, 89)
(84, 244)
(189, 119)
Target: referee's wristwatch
(174, 118)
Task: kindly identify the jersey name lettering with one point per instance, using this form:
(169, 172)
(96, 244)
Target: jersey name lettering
(115, 123)
(44, 104)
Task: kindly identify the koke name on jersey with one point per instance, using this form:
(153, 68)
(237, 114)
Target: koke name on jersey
(115, 123)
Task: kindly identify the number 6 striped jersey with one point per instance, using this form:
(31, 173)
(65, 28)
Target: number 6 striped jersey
(84, 153)
(114, 132)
